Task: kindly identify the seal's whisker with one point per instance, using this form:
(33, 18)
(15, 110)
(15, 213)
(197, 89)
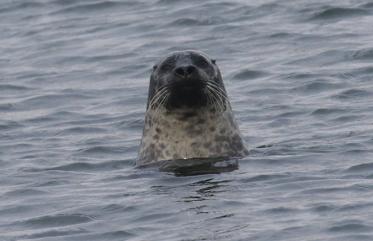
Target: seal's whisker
(208, 96)
(163, 99)
(155, 98)
(217, 88)
(219, 98)
(158, 109)
(221, 101)
(210, 100)
(219, 92)
(155, 101)
(215, 101)
(218, 101)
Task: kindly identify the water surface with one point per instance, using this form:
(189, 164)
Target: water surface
(73, 88)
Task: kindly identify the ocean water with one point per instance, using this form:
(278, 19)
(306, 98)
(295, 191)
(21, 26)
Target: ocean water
(73, 89)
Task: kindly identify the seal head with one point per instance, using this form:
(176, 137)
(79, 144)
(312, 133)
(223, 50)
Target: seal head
(188, 113)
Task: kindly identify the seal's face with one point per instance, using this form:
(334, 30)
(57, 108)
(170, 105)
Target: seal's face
(186, 80)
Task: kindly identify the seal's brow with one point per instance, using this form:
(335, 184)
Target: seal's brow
(169, 60)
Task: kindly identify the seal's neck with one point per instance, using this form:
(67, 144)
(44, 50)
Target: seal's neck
(190, 134)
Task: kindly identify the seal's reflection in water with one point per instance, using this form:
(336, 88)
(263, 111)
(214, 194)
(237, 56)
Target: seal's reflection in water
(198, 166)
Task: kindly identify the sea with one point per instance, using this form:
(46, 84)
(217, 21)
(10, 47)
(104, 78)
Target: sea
(74, 78)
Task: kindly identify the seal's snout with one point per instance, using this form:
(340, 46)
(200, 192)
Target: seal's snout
(188, 84)
(186, 78)
(185, 71)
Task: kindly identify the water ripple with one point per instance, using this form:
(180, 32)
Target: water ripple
(194, 22)
(365, 167)
(249, 74)
(350, 226)
(333, 13)
(95, 7)
(54, 233)
(57, 220)
(353, 94)
(84, 166)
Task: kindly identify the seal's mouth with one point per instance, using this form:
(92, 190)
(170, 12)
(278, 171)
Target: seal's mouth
(188, 84)
(188, 93)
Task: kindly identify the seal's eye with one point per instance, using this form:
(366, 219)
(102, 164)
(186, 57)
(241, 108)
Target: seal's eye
(201, 62)
(167, 65)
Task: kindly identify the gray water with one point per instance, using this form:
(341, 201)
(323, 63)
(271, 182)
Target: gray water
(73, 88)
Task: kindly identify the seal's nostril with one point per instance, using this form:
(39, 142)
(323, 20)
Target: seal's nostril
(190, 69)
(184, 71)
(180, 71)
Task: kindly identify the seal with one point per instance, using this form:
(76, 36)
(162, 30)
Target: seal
(188, 113)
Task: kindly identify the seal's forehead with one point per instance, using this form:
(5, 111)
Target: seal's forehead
(185, 56)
